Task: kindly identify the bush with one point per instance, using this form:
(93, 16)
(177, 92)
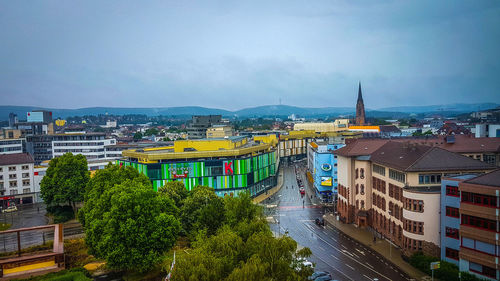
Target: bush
(61, 213)
(446, 272)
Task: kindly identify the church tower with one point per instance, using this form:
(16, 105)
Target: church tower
(360, 109)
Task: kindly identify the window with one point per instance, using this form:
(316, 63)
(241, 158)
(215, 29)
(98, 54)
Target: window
(26, 175)
(13, 183)
(451, 253)
(491, 159)
(26, 182)
(13, 192)
(396, 175)
(452, 232)
(452, 212)
(482, 223)
(357, 189)
(357, 173)
(26, 190)
(414, 205)
(362, 173)
(12, 168)
(25, 167)
(379, 169)
(362, 191)
(429, 178)
(483, 270)
(452, 191)
(479, 199)
(13, 176)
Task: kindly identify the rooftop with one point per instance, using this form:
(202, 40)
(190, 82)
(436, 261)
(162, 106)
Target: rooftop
(15, 159)
(490, 179)
(360, 147)
(410, 157)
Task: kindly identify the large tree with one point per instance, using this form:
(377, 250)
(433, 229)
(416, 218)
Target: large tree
(65, 180)
(126, 222)
(202, 210)
(176, 191)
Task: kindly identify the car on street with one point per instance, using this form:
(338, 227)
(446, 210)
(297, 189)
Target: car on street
(323, 278)
(302, 191)
(9, 209)
(318, 274)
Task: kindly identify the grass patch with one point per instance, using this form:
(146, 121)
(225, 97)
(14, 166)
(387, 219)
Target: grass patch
(4, 226)
(77, 274)
(38, 248)
(77, 253)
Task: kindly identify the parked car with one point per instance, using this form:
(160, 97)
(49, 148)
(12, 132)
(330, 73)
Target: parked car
(320, 222)
(302, 191)
(318, 274)
(11, 208)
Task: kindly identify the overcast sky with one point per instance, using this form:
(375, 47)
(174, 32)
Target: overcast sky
(237, 54)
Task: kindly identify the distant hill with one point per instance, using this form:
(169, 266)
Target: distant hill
(259, 111)
(454, 107)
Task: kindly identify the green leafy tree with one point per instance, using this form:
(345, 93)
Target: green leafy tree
(176, 191)
(202, 210)
(125, 221)
(138, 136)
(151, 131)
(241, 208)
(65, 180)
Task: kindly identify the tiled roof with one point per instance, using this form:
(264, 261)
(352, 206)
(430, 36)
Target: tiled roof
(360, 147)
(464, 144)
(490, 179)
(406, 156)
(15, 159)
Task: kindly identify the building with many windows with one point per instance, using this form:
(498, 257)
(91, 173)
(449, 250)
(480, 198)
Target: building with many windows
(91, 145)
(229, 165)
(402, 187)
(16, 179)
(470, 224)
(10, 146)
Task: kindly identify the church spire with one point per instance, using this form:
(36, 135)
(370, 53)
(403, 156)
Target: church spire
(360, 96)
(360, 108)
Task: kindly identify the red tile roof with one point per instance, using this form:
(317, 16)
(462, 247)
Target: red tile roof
(360, 147)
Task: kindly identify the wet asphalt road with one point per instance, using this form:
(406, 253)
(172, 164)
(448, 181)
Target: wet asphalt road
(344, 258)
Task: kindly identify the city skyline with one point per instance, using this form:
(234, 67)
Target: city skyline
(239, 55)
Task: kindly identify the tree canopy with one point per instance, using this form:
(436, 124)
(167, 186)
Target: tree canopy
(125, 221)
(202, 210)
(65, 180)
(176, 191)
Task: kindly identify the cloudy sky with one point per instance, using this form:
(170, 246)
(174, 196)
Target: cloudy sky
(237, 54)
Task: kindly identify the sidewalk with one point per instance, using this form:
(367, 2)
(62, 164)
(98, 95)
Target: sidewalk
(273, 190)
(382, 247)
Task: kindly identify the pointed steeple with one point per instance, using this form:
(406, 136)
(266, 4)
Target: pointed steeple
(360, 108)
(360, 96)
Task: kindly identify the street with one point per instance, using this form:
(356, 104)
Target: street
(344, 258)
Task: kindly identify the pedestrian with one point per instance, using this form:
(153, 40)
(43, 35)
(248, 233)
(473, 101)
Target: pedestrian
(374, 239)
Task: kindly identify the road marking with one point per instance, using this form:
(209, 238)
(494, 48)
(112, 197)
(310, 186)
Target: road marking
(367, 277)
(356, 255)
(334, 257)
(322, 249)
(380, 274)
(370, 265)
(361, 252)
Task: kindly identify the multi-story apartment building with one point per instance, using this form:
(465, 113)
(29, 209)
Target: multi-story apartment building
(322, 168)
(40, 147)
(16, 179)
(91, 145)
(470, 224)
(219, 131)
(394, 187)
